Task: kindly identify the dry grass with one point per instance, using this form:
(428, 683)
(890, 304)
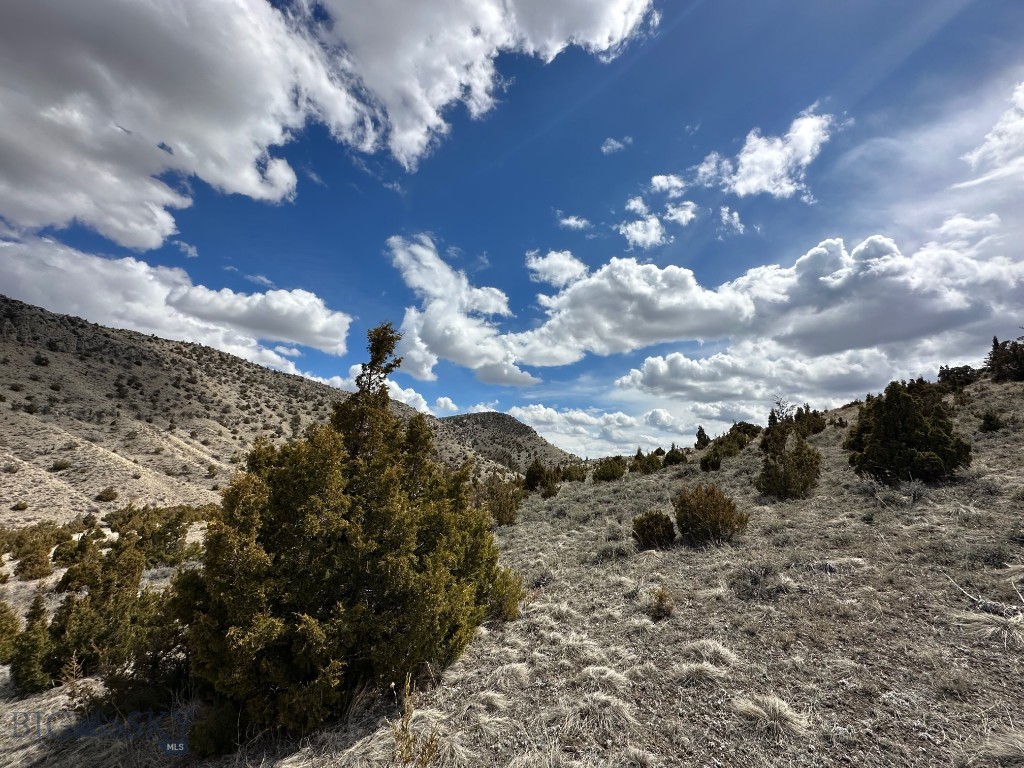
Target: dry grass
(772, 716)
(1006, 749)
(1007, 631)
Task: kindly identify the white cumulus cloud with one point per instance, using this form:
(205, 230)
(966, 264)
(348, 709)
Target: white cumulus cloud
(110, 107)
(668, 184)
(573, 222)
(610, 146)
(128, 293)
(645, 233)
(557, 268)
(682, 213)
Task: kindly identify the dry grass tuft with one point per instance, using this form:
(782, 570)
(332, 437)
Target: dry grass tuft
(598, 715)
(709, 650)
(634, 757)
(699, 672)
(606, 677)
(1007, 749)
(772, 716)
(1008, 630)
(511, 676)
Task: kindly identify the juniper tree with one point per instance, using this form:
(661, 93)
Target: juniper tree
(344, 559)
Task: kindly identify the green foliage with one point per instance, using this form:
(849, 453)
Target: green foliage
(609, 469)
(19, 506)
(661, 605)
(789, 473)
(1006, 360)
(34, 562)
(575, 472)
(107, 494)
(706, 514)
(956, 378)
(40, 359)
(906, 434)
(32, 652)
(645, 465)
(9, 628)
(653, 530)
(160, 531)
(674, 456)
(60, 465)
(711, 461)
(991, 422)
(502, 498)
(345, 558)
(791, 467)
(702, 441)
(535, 476)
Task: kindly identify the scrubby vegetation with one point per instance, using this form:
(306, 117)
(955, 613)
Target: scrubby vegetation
(906, 434)
(502, 498)
(609, 469)
(645, 464)
(653, 530)
(791, 467)
(704, 514)
(345, 558)
(1005, 361)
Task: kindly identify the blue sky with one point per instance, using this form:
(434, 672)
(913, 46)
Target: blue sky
(614, 220)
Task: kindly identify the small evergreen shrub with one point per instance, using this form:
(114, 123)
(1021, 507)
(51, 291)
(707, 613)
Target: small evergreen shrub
(661, 605)
(576, 472)
(502, 498)
(609, 469)
(19, 506)
(791, 473)
(906, 434)
(1006, 360)
(705, 514)
(991, 422)
(674, 456)
(653, 530)
(536, 475)
(9, 628)
(702, 440)
(645, 465)
(955, 379)
(34, 562)
(60, 465)
(107, 494)
(711, 461)
(40, 359)
(31, 652)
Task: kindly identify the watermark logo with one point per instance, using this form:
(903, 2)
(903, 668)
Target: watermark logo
(167, 731)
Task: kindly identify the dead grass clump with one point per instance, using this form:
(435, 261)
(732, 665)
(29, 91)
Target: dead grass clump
(760, 582)
(634, 757)
(1007, 749)
(694, 673)
(600, 716)
(509, 676)
(1007, 630)
(772, 716)
(605, 677)
(709, 650)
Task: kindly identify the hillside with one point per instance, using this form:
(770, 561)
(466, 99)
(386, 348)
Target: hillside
(503, 439)
(84, 408)
(838, 630)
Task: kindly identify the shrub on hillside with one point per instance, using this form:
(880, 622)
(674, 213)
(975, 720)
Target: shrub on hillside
(702, 440)
(906, 434)
(1006, 360)
(502, 498)
(645, 465)
(344, 559)
(790, 467)
(705, 514)
(536, 475)
(9, 628)
(611, 468)
(674, 456)
(991, 422)
(711, 461)
(653, 530)
(958, 377)
(574, 472)
(107, 494)
(34, 562)
(31, 652)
